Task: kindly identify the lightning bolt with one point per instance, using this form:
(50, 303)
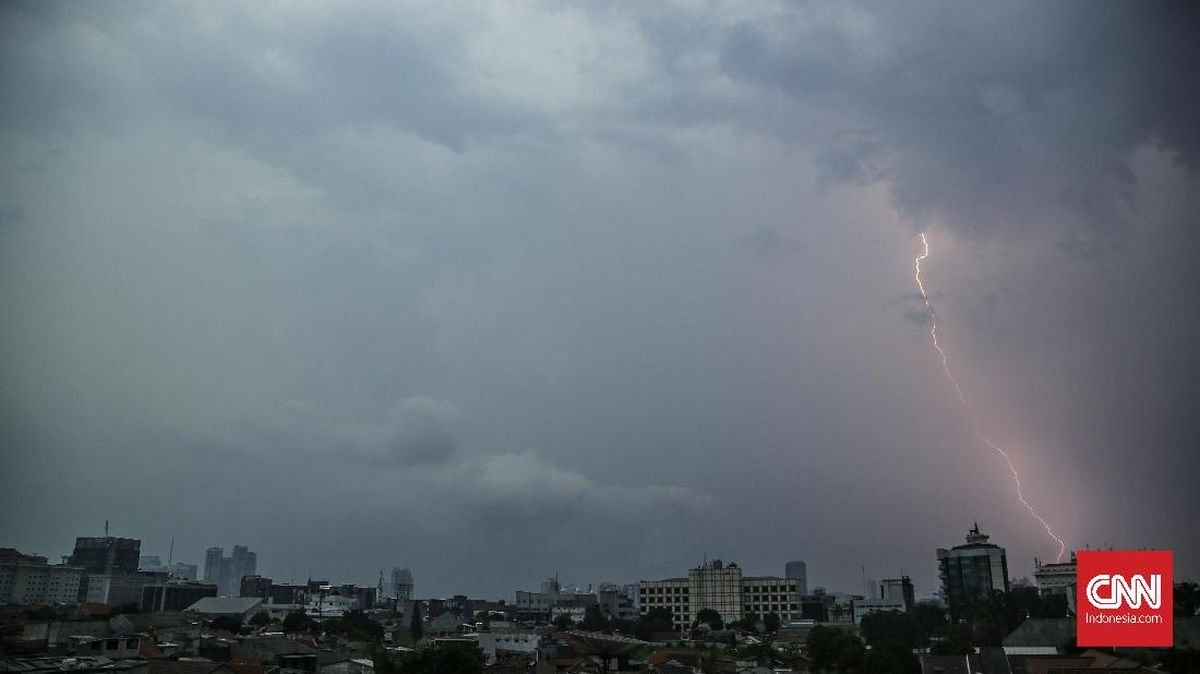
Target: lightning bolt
(966, 403)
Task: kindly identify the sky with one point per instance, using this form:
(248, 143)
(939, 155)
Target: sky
(495, 291)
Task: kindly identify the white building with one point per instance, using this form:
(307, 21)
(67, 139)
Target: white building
(329, 606)
(724, 589)
(865, 607)
(1057, 578)
(28, 579)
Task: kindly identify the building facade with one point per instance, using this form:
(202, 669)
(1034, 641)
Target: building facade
(106, 554)
(1055, 578)
(174, 596)
(402, 584)
(971, 571)
(898, 589)
(797, 570)
(724, 589)
(29, 579)
(227, 572)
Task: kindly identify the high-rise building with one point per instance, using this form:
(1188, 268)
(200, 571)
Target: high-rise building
(970, 571)
(402, 584)
(241, 564)
(106, 554)
(212, 564)
(227, 572)
(797, 571)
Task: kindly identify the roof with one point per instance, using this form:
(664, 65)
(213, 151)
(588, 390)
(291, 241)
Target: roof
(1047, 632)
(187, 667)
(963, 664)
(225, 605)
(264, 650)
(58, 664)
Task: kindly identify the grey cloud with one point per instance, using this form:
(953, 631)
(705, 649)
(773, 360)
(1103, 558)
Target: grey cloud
(420, 430)
(424, 431)
(648, 267)
(984, 127)
(767, 244)
(918, 317)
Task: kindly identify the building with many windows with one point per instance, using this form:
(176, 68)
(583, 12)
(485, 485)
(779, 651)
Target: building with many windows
(970, 571)
(28, 579)
(724, 589)
(1055, 578)
(106, 554)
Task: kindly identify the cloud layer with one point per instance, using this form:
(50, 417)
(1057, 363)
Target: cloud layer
(495, 291)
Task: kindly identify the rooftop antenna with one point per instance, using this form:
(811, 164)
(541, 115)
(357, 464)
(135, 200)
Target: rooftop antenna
(106, 528)
(171, 552)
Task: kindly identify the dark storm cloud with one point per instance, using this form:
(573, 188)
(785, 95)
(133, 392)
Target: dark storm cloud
(1006, 116)
(494, 290)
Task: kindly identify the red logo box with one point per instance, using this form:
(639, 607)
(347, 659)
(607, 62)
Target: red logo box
(1124, 598)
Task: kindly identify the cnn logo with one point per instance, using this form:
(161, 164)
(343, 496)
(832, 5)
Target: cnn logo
(1114, 591)
(1124, 598)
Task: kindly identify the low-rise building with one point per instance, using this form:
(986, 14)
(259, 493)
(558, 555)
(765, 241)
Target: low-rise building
(865, 607)
(724, 589)
(235, 607)
(1055, 578)
(174, 596)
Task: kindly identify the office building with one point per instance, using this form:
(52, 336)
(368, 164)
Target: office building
(970, 571)
(797, 571)
(402, 584)
(106, 554)
(227, 572)
(724, 589)
(255, 586)
(1055, 578)
(898, 589)
(29, 579)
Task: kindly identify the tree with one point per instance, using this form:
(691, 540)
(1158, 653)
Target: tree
(771, 623)
(749, 622)
(655, 620)
(226, 623)
(1187, 599)
(594, 618)
(416, 625)
(834, 650)
(710, 617)
(931, 618)
(957, 641)
(892, 657)
(356, 626)
(297, 621)
(564, 622)
(444, 659)
(261, 619)
(887, 627)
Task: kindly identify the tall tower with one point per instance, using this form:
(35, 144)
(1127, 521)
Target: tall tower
(798, 571)
(402, 584)
(212, 564)
(971, 570)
